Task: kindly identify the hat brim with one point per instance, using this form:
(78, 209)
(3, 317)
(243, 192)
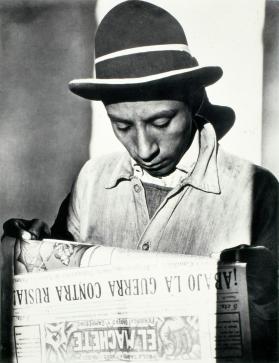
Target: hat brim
(158, 85)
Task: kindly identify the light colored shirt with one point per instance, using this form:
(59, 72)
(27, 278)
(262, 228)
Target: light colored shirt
(223, 202)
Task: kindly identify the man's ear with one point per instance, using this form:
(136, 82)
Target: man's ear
(196, 100)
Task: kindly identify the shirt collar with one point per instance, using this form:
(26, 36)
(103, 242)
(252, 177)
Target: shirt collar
(205, 173)
(122, 171)
(189, 159)
(198, 166)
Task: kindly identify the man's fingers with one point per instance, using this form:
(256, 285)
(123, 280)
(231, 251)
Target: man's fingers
(26, 236)
(38, 229)
(26, 229)
(234, 254)
(244, 253)
(15, 227)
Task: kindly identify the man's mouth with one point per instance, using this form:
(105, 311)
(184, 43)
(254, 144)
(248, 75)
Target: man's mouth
(154, 166)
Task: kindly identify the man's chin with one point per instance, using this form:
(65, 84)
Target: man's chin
(161, 172)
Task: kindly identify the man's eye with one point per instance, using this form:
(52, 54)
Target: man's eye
(122, 126)
(161, 122)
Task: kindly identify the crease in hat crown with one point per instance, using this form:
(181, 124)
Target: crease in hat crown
(138, 43)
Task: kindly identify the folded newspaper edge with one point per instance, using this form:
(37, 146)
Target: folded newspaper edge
(128, 305)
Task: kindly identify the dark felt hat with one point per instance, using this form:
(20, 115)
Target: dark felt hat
(141, 52)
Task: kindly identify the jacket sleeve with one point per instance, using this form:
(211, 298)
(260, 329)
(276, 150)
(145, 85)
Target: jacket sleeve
(59, 230)
(265, 207)
(265, 232)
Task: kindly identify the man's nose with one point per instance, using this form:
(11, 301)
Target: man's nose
(147, 147)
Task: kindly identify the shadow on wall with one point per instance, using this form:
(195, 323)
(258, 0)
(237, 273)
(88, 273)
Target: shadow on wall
(266, 217)
(44, 129)
(270, 132)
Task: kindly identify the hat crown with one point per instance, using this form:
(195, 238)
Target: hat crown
(137, 23)
(142, 53)
(137, 39)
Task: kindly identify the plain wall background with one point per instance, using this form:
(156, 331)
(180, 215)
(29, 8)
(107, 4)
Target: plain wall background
(45, 130)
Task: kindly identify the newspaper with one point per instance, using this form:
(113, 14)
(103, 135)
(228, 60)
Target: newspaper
(128, 306)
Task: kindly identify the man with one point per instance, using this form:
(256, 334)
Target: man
(174, 190)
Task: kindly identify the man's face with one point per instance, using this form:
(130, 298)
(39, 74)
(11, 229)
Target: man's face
(155, 133)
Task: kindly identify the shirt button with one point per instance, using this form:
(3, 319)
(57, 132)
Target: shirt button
(137, 188)
(145, 246)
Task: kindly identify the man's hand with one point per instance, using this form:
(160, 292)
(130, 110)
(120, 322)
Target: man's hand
(26, 229)
(261, 271)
